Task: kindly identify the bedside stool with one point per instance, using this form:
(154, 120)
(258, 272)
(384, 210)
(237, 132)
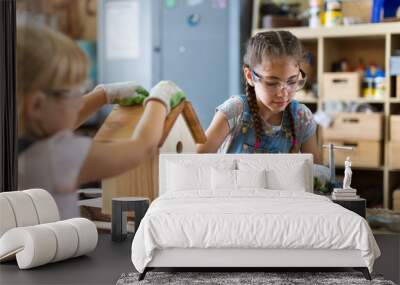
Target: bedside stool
(120, 207)
(356, 205)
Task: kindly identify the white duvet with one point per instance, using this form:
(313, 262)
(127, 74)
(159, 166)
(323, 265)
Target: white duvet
(250, 219)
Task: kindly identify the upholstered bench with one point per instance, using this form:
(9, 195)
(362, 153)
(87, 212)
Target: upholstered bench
(31, 232)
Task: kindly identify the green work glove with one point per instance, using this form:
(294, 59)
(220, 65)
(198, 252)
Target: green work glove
(137, 99)
(168, 93)
(124, 93)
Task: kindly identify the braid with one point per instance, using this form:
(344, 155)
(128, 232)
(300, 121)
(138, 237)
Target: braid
(252, 100)
(294, 147)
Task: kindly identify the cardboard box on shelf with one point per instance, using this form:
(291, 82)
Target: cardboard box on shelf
(341, 85)
(355, 126)
(394, 155)
(395, 128)
(358, 9)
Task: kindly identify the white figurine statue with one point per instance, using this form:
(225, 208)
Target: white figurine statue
(347, 174)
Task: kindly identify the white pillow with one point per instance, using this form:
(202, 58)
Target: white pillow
(251, 178)
(193, 175)
(282, 174)
(237, 179)
(293, 180)
(181, 178)
(223, 179)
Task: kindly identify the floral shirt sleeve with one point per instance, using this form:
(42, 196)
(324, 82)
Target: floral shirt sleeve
(233, 110)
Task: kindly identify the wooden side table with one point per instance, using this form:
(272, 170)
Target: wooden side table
(120, 207)
(356, 205)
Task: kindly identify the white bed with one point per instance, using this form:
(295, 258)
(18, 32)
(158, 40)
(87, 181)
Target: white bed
(225, 217)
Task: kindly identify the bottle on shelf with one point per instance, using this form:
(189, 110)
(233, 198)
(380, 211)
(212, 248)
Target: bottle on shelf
(333, 13)
(380, 85)
(360, 67)
(315, 12)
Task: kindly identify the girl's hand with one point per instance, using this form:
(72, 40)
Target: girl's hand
(168, 93)
(124, 93)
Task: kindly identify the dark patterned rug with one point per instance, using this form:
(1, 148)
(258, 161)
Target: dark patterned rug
(242, 278)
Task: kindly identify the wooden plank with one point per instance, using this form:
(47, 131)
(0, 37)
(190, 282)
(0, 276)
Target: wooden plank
(342, 31)
(119, 124)
(170, 121)
(256, 14)
(194, 124)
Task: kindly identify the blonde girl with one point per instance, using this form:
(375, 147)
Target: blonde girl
(50, 72)
(266, 119)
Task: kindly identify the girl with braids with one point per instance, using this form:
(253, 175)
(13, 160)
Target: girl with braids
(266, 119)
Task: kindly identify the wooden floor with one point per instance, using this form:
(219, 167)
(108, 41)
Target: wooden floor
(102, 266)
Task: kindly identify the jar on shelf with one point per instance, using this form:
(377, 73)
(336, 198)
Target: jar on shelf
(315, 12)
(333, 13)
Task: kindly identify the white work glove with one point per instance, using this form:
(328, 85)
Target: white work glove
(124, 93)
(168, 93)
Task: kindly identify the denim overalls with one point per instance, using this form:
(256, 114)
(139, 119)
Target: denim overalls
(275, 139)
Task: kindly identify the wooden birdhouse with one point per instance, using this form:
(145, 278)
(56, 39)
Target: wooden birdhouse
(182, 131)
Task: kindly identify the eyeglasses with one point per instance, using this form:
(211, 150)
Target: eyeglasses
(274, 86)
